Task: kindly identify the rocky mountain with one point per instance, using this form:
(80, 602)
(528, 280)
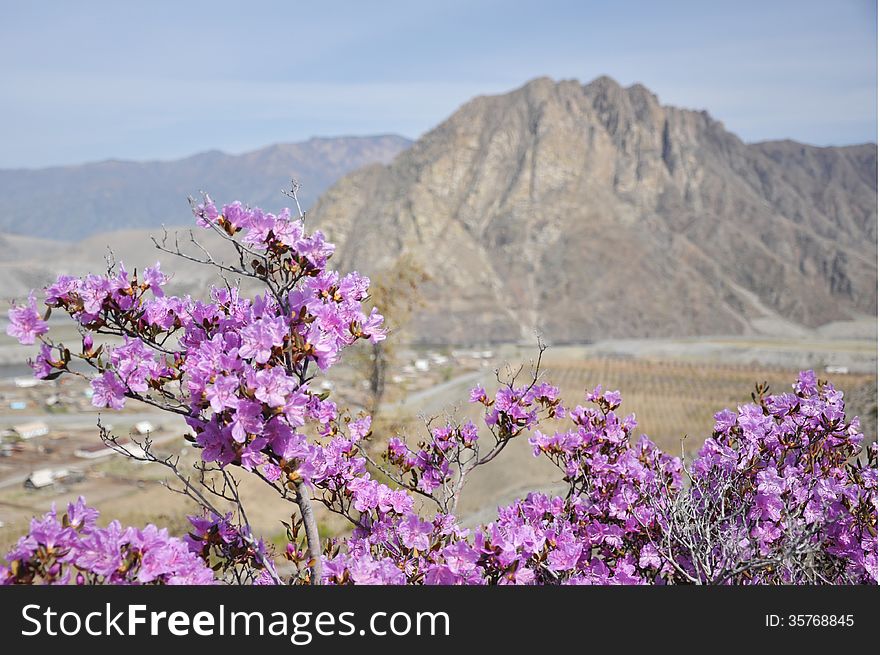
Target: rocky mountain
(594, 211)
(72, 202)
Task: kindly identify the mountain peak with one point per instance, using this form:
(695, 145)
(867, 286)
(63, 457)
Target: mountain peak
(640, 93)
(591, 211)
(603, 83)
(583, 211)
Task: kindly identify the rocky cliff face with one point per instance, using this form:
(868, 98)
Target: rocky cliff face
(592, 211)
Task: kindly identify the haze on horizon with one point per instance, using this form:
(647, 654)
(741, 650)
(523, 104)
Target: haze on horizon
(104, 80)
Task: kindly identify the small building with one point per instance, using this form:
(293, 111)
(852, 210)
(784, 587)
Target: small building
(95, 451)
(30, 430)
(144, 427)
(101, 450)
(42, 478)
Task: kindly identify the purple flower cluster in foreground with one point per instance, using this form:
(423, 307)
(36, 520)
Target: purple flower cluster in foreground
(74, 550)
(796, 481)
(782, 492)
(777, 484)
(239, 368)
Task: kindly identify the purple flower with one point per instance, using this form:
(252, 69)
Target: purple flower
(135, 364)
(284, 442)
(287, 231)
(264, 579)
(43, 364)
(80, 515)
(252, 455)
(247, 419)
(649, 558)
(272, 386)
(94, 291)
(222, 393)
(108, 391)
(566, 553)
(215, 441)
(478, 395)
(365, 492)
(25, 322)
(206, 213)
(469, 434)
(260, 226)
(372, 327)
(101, 550)
(315, 249)
(155, 279)
(61, 290)
(236, 215)
(365, 570)
(322, 347)
(260, 337)
(360, 428)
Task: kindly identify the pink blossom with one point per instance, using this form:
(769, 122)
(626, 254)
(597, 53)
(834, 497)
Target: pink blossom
(25, 322)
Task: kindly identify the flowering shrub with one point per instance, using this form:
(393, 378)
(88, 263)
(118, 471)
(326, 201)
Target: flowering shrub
(780, 493)
(789, 500)
(75, 550)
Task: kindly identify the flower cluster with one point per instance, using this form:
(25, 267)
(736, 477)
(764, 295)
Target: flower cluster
(73, 549)
(231, 547)
(794, 488)
(515, 409)
(598, 534)
(267, 232)
(391, 547)
(236, 368)
(542, 540)
(775, 496)
(430, 464)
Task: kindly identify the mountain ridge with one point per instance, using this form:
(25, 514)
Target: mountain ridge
(582, 211)
(535, 190)
(72, 202)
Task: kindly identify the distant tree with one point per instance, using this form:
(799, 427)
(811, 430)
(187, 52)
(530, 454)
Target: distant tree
(397, 290)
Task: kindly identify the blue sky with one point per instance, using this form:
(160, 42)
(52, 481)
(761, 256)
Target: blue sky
(86, 81)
